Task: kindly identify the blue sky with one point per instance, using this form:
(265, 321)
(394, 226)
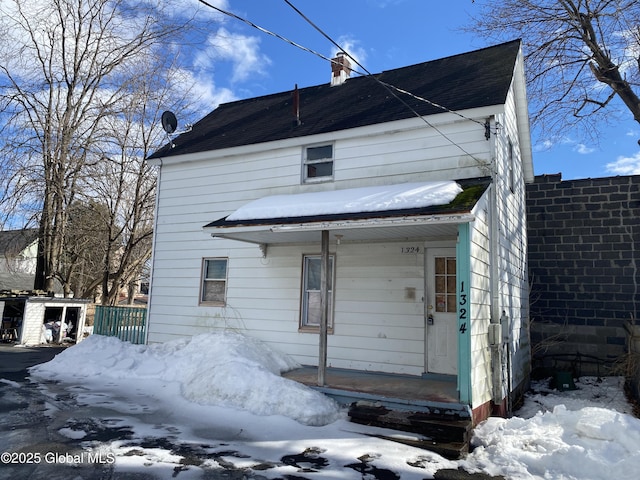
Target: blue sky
(241, 62)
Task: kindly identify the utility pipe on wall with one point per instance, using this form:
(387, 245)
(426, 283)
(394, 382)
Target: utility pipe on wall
(494, 271)
(324, 308)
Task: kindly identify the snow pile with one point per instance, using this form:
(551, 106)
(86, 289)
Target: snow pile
(225, 369)
(354, 200)
(582, 434)
(589, 443)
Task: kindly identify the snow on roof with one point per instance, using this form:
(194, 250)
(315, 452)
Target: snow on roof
(354, 200)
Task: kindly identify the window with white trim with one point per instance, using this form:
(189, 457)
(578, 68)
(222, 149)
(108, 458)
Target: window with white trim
(214, 281)
(317, 163)
(311, 310)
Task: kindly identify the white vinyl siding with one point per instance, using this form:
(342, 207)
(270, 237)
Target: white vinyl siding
(378, 311)
(481, 304)
(514, 290)
(378, 308)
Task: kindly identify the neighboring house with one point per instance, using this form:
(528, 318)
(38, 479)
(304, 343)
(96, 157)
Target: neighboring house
(18, 253)
(584, 264)
(408, 217)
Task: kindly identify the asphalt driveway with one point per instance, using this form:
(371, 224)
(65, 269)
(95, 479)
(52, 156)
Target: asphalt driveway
(15, 360)
(30, 446)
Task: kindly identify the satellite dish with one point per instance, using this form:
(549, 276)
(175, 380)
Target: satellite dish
(169, 122)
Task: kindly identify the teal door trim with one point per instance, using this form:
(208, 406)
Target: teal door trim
(463, 275)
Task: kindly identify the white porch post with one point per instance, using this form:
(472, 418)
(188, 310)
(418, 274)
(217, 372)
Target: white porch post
(324, 308)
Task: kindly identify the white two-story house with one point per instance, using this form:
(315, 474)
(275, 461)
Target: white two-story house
(370, 224)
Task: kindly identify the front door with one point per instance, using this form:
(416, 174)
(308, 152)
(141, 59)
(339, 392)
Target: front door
(441, 321)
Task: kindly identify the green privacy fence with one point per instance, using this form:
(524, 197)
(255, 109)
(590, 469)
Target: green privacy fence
(129, 324)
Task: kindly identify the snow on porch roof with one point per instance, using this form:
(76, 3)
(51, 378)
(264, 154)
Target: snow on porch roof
(407, 210)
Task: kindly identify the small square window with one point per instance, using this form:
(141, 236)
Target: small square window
(318, 163)
(214, 281)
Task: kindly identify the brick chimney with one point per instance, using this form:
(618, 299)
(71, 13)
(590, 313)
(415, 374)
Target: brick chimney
(340, 69)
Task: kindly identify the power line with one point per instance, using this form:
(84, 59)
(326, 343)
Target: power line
(318, 54)
(264, 30)
(390, 88)
(327, 36)
(386, 85)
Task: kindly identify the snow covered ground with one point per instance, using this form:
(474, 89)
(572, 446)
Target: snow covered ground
(222, 395)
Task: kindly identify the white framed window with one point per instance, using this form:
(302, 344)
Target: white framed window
(213, 290)
(317, 163)
(310, 309)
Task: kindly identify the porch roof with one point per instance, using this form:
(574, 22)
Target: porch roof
(405, 220)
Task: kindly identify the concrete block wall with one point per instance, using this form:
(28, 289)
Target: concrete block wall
(584, 265)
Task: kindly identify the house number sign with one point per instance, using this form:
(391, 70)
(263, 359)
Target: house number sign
(462, 309)
(410, 250)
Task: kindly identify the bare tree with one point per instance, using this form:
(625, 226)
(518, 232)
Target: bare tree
(126, 185)
(118, 191)
(65, 67)
(582, 57)
(85, 242)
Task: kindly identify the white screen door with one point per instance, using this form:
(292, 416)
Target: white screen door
(441, 318)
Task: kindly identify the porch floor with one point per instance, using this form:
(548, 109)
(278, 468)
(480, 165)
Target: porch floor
(353, 385)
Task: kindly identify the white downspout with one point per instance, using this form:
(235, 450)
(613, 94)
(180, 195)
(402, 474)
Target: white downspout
(494, 273)
(153, 253)
(324, 305)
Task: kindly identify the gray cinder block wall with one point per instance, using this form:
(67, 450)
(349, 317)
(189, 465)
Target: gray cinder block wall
(584, 244)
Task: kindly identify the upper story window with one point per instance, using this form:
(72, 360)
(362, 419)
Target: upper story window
(317, 163)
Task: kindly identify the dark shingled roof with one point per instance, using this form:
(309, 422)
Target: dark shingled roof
(475, 79)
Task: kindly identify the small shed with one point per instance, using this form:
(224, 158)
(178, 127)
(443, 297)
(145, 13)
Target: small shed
(33, 318)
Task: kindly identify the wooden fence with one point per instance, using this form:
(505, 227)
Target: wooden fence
(129, 324)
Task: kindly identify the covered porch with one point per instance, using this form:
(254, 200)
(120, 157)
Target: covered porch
(429, 215)
(429, 393)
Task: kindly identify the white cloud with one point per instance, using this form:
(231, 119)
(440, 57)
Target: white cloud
(353, 48)
(202, 89)
(543, 145)
(549, 143)
(627, 51)
(192, 9)
(582, 149)
(625, 165)
(242, 50)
